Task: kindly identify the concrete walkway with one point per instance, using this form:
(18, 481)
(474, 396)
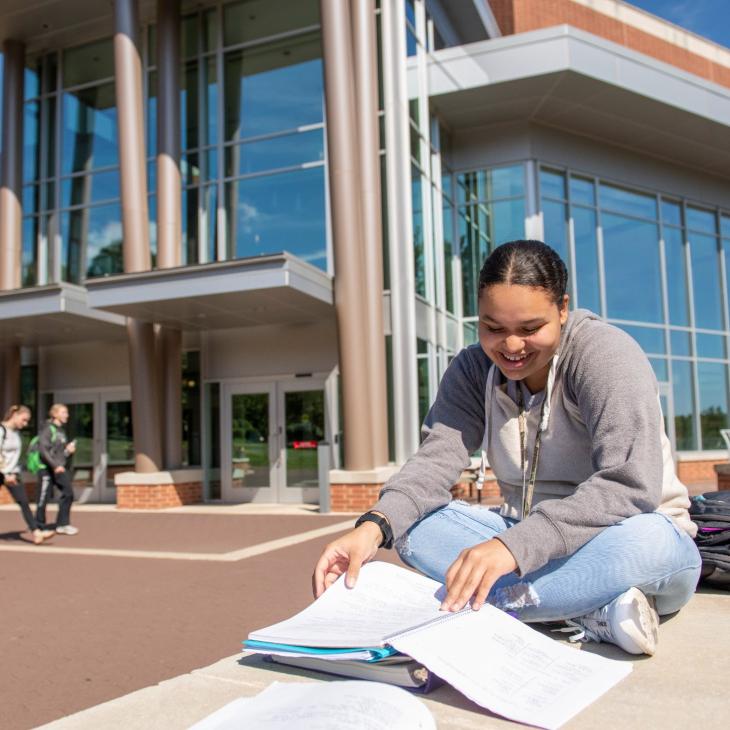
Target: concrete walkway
(684, 685)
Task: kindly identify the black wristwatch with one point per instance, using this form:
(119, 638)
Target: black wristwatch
(384, 526)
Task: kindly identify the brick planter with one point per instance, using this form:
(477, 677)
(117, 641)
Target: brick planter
(159, 490)
(723, 477)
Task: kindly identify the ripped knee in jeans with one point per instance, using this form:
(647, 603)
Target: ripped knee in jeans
(515, 597)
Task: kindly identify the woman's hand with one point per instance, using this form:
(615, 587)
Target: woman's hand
(346, 554)
(474, 573)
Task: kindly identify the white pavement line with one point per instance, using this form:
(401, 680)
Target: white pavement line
(232, 557)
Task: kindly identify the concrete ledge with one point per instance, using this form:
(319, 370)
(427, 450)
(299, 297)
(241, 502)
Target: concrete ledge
(379, 475)
(177, 476)
(645, 699)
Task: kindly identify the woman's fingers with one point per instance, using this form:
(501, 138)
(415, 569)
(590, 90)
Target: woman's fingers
(482, 591)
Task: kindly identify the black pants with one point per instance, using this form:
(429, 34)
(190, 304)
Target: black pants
(20, 496)
(62, 482)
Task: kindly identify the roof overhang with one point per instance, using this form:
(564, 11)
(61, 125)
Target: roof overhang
(55, 314)
(278, 289)
(576, 81)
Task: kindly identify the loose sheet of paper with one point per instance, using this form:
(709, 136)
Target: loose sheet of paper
(326, 706)
(511, 669)
(386, 600)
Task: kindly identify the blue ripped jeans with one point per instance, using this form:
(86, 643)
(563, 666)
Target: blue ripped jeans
(646, 551)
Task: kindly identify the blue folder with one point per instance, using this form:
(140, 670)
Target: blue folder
(376, 652)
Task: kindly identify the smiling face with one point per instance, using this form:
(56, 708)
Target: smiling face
(519, 330)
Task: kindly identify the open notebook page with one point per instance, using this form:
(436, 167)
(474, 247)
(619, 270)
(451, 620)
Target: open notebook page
(386, 600)
(323, 706)
(511, 669)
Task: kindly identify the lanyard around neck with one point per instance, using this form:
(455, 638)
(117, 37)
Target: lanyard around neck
(528, 486)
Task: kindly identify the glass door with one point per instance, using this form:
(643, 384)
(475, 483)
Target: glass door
(302, 413)
(117, 445)
(249, 443)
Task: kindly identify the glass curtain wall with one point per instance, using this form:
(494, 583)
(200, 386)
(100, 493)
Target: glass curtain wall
(656, 267)
(72, 219)
(252, 139)
(491, 211)
(435, 262)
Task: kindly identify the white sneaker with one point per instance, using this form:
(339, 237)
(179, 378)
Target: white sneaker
(629, 621)
(67, 530)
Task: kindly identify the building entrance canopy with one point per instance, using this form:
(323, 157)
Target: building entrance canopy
(573, 80)
(56, 314)
(266, 290)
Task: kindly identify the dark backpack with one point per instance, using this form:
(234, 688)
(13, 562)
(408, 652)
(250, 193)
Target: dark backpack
(711, 513)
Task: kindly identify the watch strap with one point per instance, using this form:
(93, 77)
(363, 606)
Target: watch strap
(382, 523)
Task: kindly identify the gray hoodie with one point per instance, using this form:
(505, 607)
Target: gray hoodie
(604, 454)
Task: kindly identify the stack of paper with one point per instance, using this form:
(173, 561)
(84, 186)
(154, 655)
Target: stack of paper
(491, 657)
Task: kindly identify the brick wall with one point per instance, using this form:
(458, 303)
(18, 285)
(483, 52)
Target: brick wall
(698, 472)
(519, 16)
(158, 496)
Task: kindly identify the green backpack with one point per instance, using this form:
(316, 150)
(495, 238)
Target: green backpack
(33, 462)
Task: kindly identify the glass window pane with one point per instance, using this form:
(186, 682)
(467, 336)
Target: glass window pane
(273, 87)
(252, 19)
(304, 419)
(706, 281)
(701, 220)
(211, 228)
(119, 436)
(189, 106)
(31, 140)
(473, 248)
(680, 342)
(91, 242)
(86, 189)
(31, 194)
(31, 79)
(508, 221)
(582, 191)
(671, 213)
(411, 43)
(278, 152)
(555, 224)
(212, 461)
(552, 184)
(424, 396)
(449, 252)
(499, 182)
(661, 368)
(210, 81)
(586, 258)
(506, 182)
(210, 29)
(275, 213)
(419, 252)
(30, 246)
(725, 226)
(631, 254)
(710, 345)
(90, 62)
(712, 379)
(627, 201)
(189, 36)
(190, 253)
(151, 112)
(651, 339)
(250, 440)
(471, 336)
(676, 263)
(683, 389)
(90, 137)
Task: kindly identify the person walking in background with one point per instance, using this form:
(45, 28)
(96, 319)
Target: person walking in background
(15, 420)
(55, 450)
